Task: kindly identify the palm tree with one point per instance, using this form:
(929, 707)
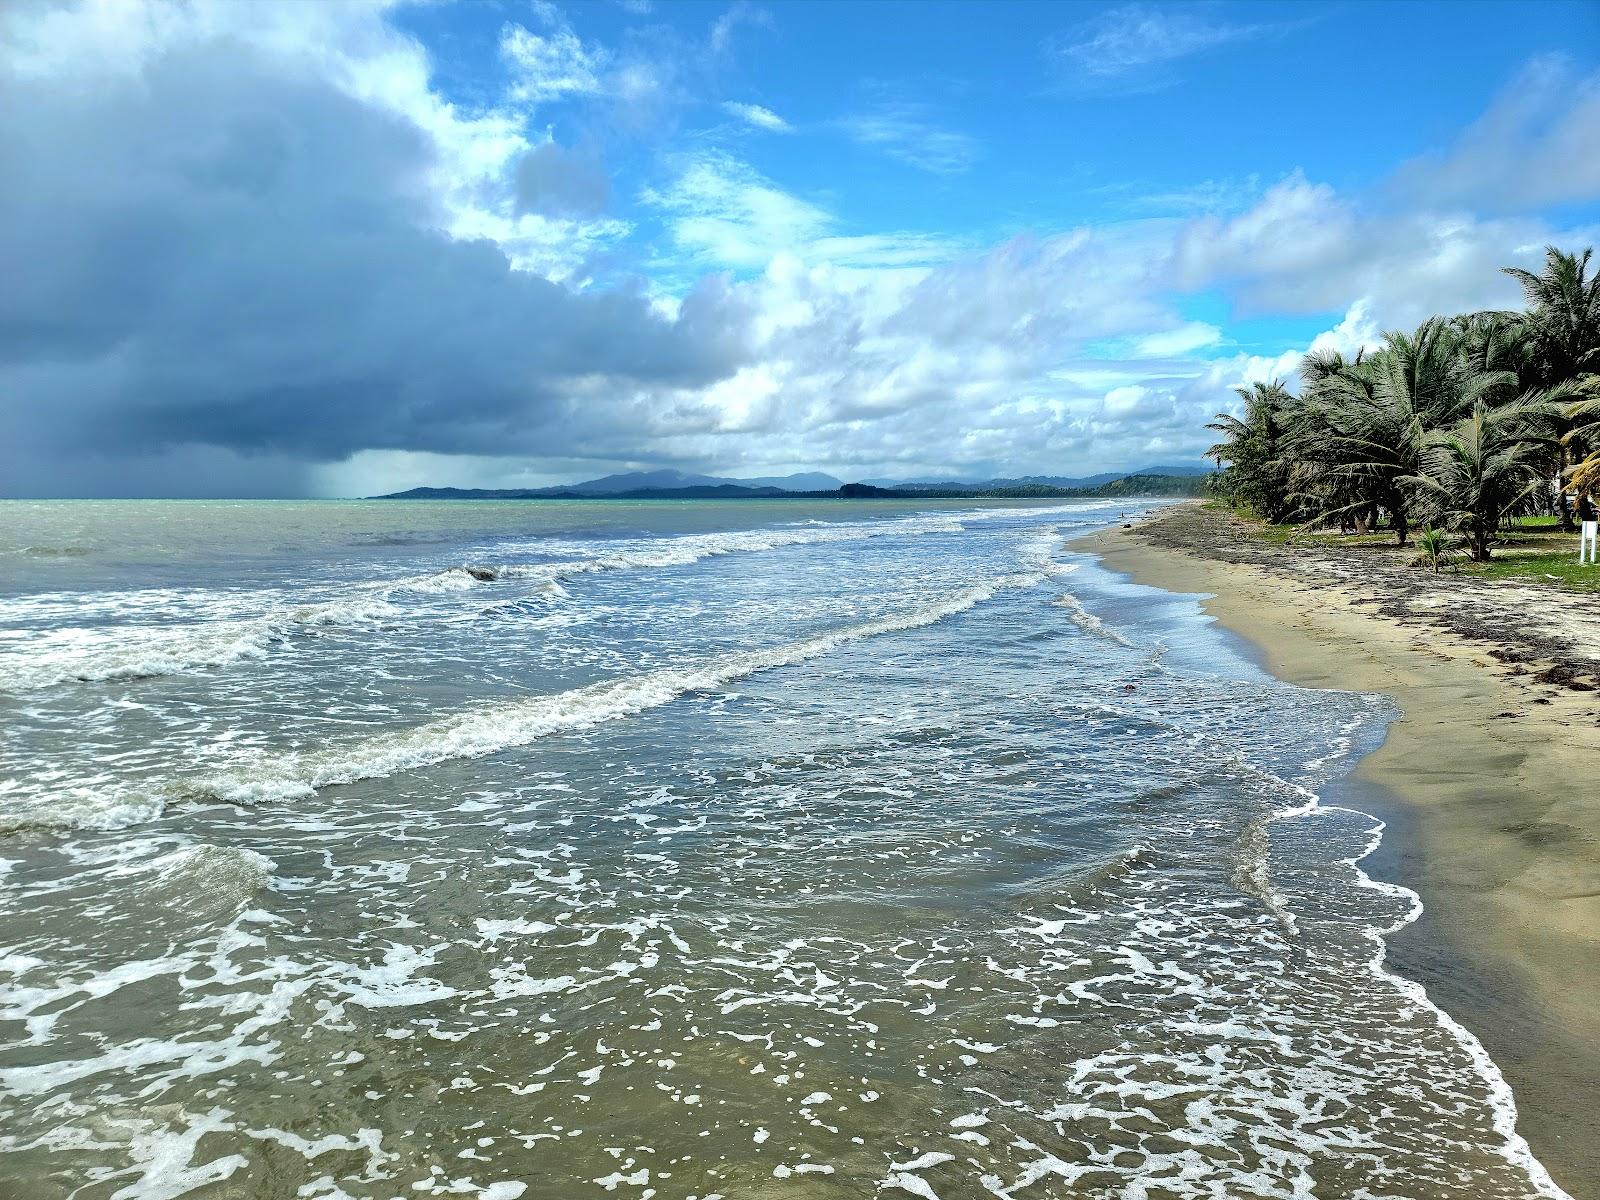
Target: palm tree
(1563, 318)
(1562, 337)
(1581, 438)
(1367, 420)
(1257, 475)
(1331, 441)
(1485, 469)
(1459, 425)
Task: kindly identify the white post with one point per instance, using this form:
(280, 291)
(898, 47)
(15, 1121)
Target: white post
(1589, 543)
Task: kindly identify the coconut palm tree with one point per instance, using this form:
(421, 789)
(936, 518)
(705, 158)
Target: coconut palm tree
(1485, 469)
(1562, 323)
(1561, 330)
(1581, 437)
(1460, 424)
(1331, 443)
(1367, 421)
(1257, 475)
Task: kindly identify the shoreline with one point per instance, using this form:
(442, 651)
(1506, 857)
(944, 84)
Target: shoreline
(1487, 784)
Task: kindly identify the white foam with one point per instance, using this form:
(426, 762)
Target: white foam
(1503, 1105)
(1087, 621)
(46, 658)
(483, 731)
(165, 1160)
(51, 657)
(693, 548)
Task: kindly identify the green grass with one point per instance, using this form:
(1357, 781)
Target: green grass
(1539, 568)
(1278, 535)
(1534, 551)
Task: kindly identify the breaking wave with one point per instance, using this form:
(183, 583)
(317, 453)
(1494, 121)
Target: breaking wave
(480, 731)
(98, 655)
(78, 655)
(675, 552)
(1086, 620)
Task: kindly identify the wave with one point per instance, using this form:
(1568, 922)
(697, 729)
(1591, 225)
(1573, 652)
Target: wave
(202, 881)
(1251, 875)
(53, 551)
(81, 654)
(479, 732)
(47, 658)
(1252, 871)
(1087, 621)
(97, 655)
(677, 552)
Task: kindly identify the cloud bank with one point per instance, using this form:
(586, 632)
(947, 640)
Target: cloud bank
(254, 250)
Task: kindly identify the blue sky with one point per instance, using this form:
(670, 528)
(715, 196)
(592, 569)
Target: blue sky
(344, 248)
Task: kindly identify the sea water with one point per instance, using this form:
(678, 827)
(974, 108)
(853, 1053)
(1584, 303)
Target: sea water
(674, 849)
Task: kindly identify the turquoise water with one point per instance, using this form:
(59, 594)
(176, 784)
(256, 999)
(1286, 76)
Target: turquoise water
(551, 849)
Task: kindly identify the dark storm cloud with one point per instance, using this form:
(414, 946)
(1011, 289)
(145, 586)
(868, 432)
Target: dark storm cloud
(220, 252)
(557, 182)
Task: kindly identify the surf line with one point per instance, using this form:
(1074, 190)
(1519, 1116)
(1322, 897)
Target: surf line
(144, 652)
(479, 732)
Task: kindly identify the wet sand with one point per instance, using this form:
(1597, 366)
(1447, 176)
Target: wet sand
(1490, 783)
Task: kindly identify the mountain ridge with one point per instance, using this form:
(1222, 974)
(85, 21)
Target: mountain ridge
(1138, 484)
(669, 482)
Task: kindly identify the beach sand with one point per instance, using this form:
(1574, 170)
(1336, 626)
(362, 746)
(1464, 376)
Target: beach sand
(1490, 783)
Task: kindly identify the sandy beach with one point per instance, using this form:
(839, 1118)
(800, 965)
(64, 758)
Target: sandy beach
(1488, 781)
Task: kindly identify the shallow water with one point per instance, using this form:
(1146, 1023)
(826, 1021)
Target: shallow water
(705, 849)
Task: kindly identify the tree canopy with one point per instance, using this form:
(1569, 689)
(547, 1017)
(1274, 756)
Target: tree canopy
(1460, 425)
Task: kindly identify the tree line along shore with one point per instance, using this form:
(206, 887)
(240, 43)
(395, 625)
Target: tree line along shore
(1452, 435)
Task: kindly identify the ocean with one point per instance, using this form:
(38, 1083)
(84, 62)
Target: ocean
(685, 849)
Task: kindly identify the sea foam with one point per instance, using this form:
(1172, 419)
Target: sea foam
(488, 730)
(40, 659)
(49, 658)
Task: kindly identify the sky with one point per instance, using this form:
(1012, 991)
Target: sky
(332, 249)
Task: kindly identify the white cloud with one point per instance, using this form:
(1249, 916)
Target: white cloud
(261, 244)
(1207, 196)
(1131, 41)
(723, 213)
(345, 278)
(1303, 248)
(1357, 331)
(904, 132)
(1185, 339)
(742, 13)
(761, 118)
(1539, 143)
(554, 65)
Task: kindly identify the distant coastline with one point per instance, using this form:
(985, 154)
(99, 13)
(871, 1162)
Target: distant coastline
(1130, 486)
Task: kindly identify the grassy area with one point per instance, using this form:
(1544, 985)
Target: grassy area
(1553, 569)
(1534, 551)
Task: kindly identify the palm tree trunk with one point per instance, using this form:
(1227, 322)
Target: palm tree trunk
(1480, 541)
(1567, 524)
(1402, 525)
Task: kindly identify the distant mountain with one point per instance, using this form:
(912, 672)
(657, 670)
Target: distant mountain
(666, 480)
(804, 481)
(1118, 486)
(632, 481)
(1115, 485)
